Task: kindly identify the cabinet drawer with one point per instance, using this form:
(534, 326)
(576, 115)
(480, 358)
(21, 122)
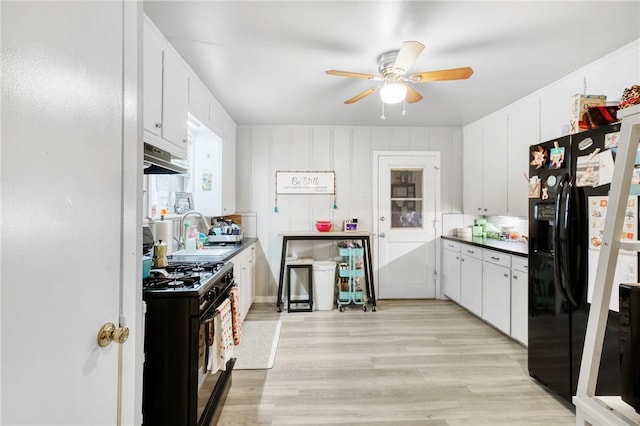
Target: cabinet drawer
(472, 251)
(497, 257)
(520, 263)
(451, 245)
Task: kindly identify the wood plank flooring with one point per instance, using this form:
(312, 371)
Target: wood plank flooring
(425, 362)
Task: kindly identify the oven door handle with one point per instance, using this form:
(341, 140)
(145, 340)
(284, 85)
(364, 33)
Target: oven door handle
(211, 311)
(209, 314)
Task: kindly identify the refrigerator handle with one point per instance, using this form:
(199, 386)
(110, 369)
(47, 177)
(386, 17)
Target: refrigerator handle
(568, 280)
(559, 236)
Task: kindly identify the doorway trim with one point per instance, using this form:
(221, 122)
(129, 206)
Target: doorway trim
(437, 224)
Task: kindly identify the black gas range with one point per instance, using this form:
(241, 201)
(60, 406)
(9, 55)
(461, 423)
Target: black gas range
(181, 304)
(184, 279)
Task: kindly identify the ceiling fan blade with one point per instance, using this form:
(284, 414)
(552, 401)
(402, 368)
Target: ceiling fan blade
(412, 95)
(450, 74)
(407, 55)
(354, 74)
(361, 95)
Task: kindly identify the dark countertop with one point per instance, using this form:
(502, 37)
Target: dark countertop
(203, 257)
(517, 248)
(246, 242)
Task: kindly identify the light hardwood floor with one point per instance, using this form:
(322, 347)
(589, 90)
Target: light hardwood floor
(424, 362)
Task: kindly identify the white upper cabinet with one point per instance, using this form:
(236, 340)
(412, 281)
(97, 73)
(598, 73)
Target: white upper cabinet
(166, 85)
(152, 54)
(222, 125)
(199, 100)
(523, 131)
(485, 171)
(494, 172)
(175, 86)
(229, 167)
(472, 171)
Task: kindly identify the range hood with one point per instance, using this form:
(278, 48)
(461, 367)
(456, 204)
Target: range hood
(160, 162)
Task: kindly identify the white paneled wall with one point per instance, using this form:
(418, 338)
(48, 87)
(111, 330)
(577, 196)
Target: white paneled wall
(263, 150)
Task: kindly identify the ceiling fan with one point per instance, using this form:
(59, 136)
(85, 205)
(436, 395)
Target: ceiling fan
(396, 85)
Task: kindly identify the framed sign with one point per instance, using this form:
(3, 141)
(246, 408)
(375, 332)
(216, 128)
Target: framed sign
(305, 183)
(184, 202)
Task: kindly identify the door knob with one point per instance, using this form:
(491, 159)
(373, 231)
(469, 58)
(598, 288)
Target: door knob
(110, 333)
(381, 218)
(382, 235)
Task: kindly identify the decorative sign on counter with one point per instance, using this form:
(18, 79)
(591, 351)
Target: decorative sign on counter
(310, 183)
(305, 182)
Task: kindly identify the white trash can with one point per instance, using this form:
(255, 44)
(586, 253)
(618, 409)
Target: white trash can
(324, 275)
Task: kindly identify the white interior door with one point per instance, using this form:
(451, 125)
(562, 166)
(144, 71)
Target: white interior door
(70, 163)
(408, 202)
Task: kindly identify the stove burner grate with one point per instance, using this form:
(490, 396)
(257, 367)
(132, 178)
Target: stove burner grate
(186, 268)
(159, 283)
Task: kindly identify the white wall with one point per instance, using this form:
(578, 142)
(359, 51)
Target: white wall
(263, 150)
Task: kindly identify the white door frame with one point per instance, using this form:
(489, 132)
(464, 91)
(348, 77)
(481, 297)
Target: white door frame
(376, 214)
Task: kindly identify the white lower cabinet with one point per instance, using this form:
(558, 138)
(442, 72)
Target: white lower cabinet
(496, 290)
(244, 271)
(520, 299)
(451, 270)
(491, 284)
(471, 278)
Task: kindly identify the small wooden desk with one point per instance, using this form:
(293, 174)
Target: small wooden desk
(362, 236)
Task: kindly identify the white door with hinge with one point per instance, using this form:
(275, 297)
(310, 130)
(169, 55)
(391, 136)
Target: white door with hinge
(407, 210)
(70, 216)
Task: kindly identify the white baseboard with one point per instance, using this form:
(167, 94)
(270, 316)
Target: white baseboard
(264, 299)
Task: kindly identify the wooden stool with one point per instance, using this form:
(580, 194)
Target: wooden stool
(309, 301)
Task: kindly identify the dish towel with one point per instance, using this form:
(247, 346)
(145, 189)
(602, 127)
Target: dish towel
(215, 361)
(236, 319)
(226, 335)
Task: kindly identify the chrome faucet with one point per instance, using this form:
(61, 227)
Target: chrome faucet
(200, 216)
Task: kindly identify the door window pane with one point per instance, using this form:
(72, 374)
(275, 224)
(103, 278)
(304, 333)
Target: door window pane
(406, 198)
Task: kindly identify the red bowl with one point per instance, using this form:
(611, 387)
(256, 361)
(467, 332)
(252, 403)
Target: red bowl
(323, 226)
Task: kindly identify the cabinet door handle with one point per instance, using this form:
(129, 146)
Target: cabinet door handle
(515, 277)
(495, 258)
(457, 258)
(461, 260)
(158, 125)
(506, 275)
(470, 251)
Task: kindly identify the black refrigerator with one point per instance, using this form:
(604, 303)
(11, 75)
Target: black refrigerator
(566, 177)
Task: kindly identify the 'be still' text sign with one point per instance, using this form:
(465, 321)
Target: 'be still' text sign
(305, 183)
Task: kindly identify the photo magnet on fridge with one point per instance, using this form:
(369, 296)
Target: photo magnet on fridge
(556, 156)
(539, 157)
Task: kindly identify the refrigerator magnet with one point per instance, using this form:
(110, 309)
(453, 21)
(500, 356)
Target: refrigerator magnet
(539, 157)
(534, 187)
(556, 156)
(611, 139)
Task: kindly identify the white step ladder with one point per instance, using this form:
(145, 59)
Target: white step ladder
(609, 410)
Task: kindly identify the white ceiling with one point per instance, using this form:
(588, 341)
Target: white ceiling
(265, 61)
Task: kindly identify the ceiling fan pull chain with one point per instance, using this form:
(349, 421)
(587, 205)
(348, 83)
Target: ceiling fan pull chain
(382, 116)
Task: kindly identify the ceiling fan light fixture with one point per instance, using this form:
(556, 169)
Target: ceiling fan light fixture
(393, 92)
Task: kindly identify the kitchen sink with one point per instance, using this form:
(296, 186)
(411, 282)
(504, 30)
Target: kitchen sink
(204, 254)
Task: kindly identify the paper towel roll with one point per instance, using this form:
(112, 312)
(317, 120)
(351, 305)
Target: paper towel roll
(164, 231)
